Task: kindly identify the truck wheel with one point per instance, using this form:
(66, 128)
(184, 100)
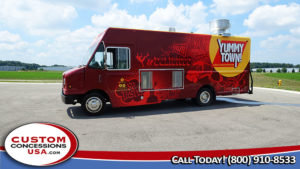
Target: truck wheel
(204, 97)
(93, 104)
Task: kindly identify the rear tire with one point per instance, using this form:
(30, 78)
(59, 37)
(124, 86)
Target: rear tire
(93, 104)
(205, 97)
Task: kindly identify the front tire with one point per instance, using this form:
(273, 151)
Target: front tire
(205, 97)
(93, 104)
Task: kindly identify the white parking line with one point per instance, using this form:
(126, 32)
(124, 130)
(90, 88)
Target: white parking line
(277, 90)
(236, 100)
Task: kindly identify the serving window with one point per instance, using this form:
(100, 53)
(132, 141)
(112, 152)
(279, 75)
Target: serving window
(161, 79)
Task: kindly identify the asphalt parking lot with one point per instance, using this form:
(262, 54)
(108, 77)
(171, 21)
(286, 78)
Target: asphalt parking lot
(267, 118)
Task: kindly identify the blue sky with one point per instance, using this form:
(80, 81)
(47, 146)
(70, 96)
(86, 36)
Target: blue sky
(60, 31)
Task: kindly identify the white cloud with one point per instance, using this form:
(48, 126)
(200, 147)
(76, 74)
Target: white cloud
(286, 42)
(295, 31)
(279, 26)
(185, 18)
(279, 49)
(39, 43)
(42, 55)
(73, 45)
(10, 41)
(6, 36)
(13, 46)
(141, 1)
(94, 5)
(116, 17)
(36, 16)
(274, 18)
(233, 7)
(70, 48)
(79, 35)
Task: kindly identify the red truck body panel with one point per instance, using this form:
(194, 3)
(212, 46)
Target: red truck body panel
(221, 63)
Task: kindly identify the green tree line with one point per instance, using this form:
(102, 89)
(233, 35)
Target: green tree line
(273, 65)
(27, 66)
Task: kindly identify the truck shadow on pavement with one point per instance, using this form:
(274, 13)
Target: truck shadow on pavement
(166, 107)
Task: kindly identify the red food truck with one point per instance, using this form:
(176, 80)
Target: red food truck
(130, 67)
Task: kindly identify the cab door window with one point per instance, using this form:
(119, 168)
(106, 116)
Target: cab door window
(118, 58)
(98, 58)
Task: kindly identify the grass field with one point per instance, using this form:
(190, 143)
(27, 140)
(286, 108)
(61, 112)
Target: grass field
(291, 76)
(290, 81)
(30, 75)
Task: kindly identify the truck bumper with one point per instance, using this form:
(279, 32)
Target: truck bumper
(68, 99)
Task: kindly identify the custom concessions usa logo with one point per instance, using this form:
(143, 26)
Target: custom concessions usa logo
(41, 144)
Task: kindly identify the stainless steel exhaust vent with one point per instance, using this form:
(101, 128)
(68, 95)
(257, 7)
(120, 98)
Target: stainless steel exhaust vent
(220, 27)
(172, 29)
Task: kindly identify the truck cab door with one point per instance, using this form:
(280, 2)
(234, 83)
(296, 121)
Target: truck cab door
(95, 73)
(121, 79)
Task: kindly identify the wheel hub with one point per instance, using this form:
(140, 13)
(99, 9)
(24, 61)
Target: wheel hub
(93, 104)
(204, 97)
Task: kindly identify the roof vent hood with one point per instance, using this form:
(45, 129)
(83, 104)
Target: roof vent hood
(220, 27)
(172, 29)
